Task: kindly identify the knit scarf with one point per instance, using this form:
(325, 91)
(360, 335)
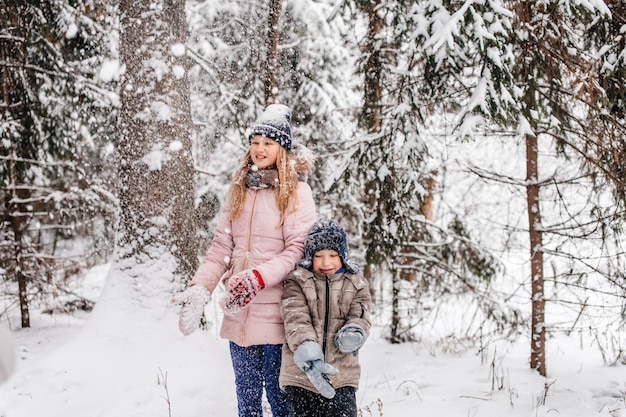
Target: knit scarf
(262, 179)
(267, 178)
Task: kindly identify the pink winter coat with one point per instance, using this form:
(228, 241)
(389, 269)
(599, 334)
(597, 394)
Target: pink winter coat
(252, 241)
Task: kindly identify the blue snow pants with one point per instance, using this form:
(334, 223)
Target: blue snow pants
(256, 367)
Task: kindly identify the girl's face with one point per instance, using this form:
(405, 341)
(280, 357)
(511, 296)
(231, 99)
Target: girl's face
(263, 151)
(326, 261)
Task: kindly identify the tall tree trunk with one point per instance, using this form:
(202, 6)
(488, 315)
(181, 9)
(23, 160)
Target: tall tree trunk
(273, 34)
(427, 207)
(18, 224)
(395, 327)
(371, 118)
(526, 73)
(538, 337)
(156, 169)
(13, 52)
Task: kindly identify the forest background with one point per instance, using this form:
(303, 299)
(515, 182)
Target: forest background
(474, 150)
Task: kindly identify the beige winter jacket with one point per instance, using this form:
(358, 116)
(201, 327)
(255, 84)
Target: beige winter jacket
(314, 307)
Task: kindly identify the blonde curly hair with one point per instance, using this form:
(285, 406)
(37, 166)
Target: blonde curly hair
(287, 169)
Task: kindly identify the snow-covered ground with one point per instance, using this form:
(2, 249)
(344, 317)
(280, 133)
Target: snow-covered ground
(74, 366)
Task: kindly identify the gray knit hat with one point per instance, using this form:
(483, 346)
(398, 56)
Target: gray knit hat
(274, 124)
(327, 234)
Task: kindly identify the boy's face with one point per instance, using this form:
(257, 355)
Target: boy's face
(326, 261)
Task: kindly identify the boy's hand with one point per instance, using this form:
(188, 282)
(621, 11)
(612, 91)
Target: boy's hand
(310, 359)
(242, 288)
(350, 338)
(317, 375)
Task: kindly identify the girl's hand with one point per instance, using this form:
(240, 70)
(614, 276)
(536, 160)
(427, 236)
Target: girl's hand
(192, 302)
(243, 287)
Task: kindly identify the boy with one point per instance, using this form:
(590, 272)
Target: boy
(326, 309)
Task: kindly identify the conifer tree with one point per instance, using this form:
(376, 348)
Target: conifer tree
(562, 102)
(56, 116)
(405, 77)
(229, 47)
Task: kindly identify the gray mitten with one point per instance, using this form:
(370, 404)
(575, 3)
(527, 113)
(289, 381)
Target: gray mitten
(192, 300)
(317, 375)
(350, 338)
(310, 359)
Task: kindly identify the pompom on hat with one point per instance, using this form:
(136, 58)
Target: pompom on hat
(274, 124)
(327, 234)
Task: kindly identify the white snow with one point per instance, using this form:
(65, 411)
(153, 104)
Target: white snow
(175, 146)
(72, 31)
(178, 71)
(110, 71)
(161, 111)
(178, 49)
(155, 158)
(131, 362)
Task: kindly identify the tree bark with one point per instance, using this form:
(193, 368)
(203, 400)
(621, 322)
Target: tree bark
(15, 214)
(371, 118)
(538, 337)
(156, 165)
(526, 73)
(273, 34)
(18, 224)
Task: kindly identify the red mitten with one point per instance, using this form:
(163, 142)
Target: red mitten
(243, 287)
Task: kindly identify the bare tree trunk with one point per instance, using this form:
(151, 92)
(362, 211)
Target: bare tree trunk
(427, 208)
(395, 328)
(538, 337)
(273, 34)
(156, 169)
(371, 114)
(18, 224)
(13, 50)
(525, 12)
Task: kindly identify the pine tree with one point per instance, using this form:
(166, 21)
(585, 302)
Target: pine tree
(548, 95)
(55, 114)
(560, 100)
(405, 77)
(528, 66)
(229, 46)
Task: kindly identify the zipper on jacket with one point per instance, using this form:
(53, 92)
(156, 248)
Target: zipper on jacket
(245, 264)
(327, 307)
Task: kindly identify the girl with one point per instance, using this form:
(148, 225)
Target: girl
(258, 240)
(326, 309)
